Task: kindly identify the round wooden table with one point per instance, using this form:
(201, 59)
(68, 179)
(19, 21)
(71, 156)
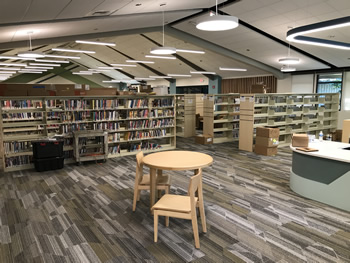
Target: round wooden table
(175, 161)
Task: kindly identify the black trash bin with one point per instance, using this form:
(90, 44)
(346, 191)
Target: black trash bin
(48, 155)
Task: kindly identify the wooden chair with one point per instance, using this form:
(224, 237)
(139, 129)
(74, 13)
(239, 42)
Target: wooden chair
(182, 207)
(142, 181)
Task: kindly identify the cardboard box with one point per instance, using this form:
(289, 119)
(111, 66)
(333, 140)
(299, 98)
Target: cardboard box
(263, 150)
(38, 90)
(266, 141)
(204, 139)
(15, 90)
(267, 132)
(124, 93)
(101, 92)
(300, 140)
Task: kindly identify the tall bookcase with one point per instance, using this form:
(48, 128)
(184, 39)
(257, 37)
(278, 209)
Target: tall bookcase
(133, 123)
(221, 117)
(185, 115)
(291, 113)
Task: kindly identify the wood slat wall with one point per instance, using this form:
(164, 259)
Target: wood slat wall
(242, 85)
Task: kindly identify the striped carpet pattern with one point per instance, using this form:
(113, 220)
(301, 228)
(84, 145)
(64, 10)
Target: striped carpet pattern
(84, 214)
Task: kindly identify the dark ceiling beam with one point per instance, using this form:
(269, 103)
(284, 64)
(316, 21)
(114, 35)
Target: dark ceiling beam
(319, 71)
(143, 65)
(187, 62)
(223, 51)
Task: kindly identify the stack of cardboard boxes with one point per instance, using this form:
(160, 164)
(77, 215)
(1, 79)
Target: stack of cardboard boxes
(266, 141)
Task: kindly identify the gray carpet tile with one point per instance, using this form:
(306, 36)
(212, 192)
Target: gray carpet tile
(84, 214)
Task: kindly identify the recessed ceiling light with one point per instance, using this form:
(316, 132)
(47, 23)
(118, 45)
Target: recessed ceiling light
(203, 72)
(73, 50)
(162, 57)
(233, 69)
(95, 43)
(124, 65)
(60, 56)
(190, 51)
(139, 61)
(43, 64)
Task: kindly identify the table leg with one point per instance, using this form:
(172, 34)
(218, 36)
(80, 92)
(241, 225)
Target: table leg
(153, 192)
(159, 174)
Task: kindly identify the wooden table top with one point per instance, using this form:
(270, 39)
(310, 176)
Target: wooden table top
(177, 160)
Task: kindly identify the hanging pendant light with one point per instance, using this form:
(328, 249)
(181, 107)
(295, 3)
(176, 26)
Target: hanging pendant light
(163, 50)
(217, 22)
(30, 53)
(289, 60)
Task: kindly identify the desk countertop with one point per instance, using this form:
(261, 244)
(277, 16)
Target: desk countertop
(329, 150)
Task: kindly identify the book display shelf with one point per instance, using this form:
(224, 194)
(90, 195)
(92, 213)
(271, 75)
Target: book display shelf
(185, 115)
(291, 113)
(132, 123)
(221, 117)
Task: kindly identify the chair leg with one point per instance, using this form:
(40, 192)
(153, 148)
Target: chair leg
(195, 230)
(138, 195)
(159, 193)
(202, 214)
(136, 191)
(155, 226)
(167, 190)
(166, 221)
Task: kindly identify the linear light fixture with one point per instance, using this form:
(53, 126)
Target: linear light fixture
(61, 56)
(52, 61)
(162, 57)
(37, 67)
(8, 72)
(82, 73)
(15, 57)
(233, 69)
(203, 72)
(217, 22)
(179, 75)
(190, 51)
(43, 64)
(140, 78)
(31, 72)
(111, 81)
(110, 68)
(99, 70)
(13, 64)
(73, 50)
(139, 61)
(10, 69)
(30, 69)
(160, 77)
(123, 65)
(95, 43)
(297, 34)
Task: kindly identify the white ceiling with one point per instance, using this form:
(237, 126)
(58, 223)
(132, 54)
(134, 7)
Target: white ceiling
(59, 23)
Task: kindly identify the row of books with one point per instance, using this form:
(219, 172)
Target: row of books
(168, 102)
(15, 147)
(138, 114)
(137, 103)
(112, 126)
(21, 104)
(75, 104)
(105, 115)
(91, 140)
(68, 128)
(17, 160)
(22, 116)
(161, 113)
(114, 149)
(114, 137)
(143, 146)
(144, 134)
(104, 104)
(51, 103)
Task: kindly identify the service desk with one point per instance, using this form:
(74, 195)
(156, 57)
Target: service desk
(324, 175)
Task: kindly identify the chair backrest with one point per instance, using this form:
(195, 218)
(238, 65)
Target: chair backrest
(139, 167)
(196, 185)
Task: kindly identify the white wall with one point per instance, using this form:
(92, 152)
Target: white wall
(285, 85)
(192, 82)
(345, 111)
(303, 83)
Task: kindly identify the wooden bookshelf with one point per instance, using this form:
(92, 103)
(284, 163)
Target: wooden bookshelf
(291, 113)
(185, 115)
(221, 117)
(132, 123)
